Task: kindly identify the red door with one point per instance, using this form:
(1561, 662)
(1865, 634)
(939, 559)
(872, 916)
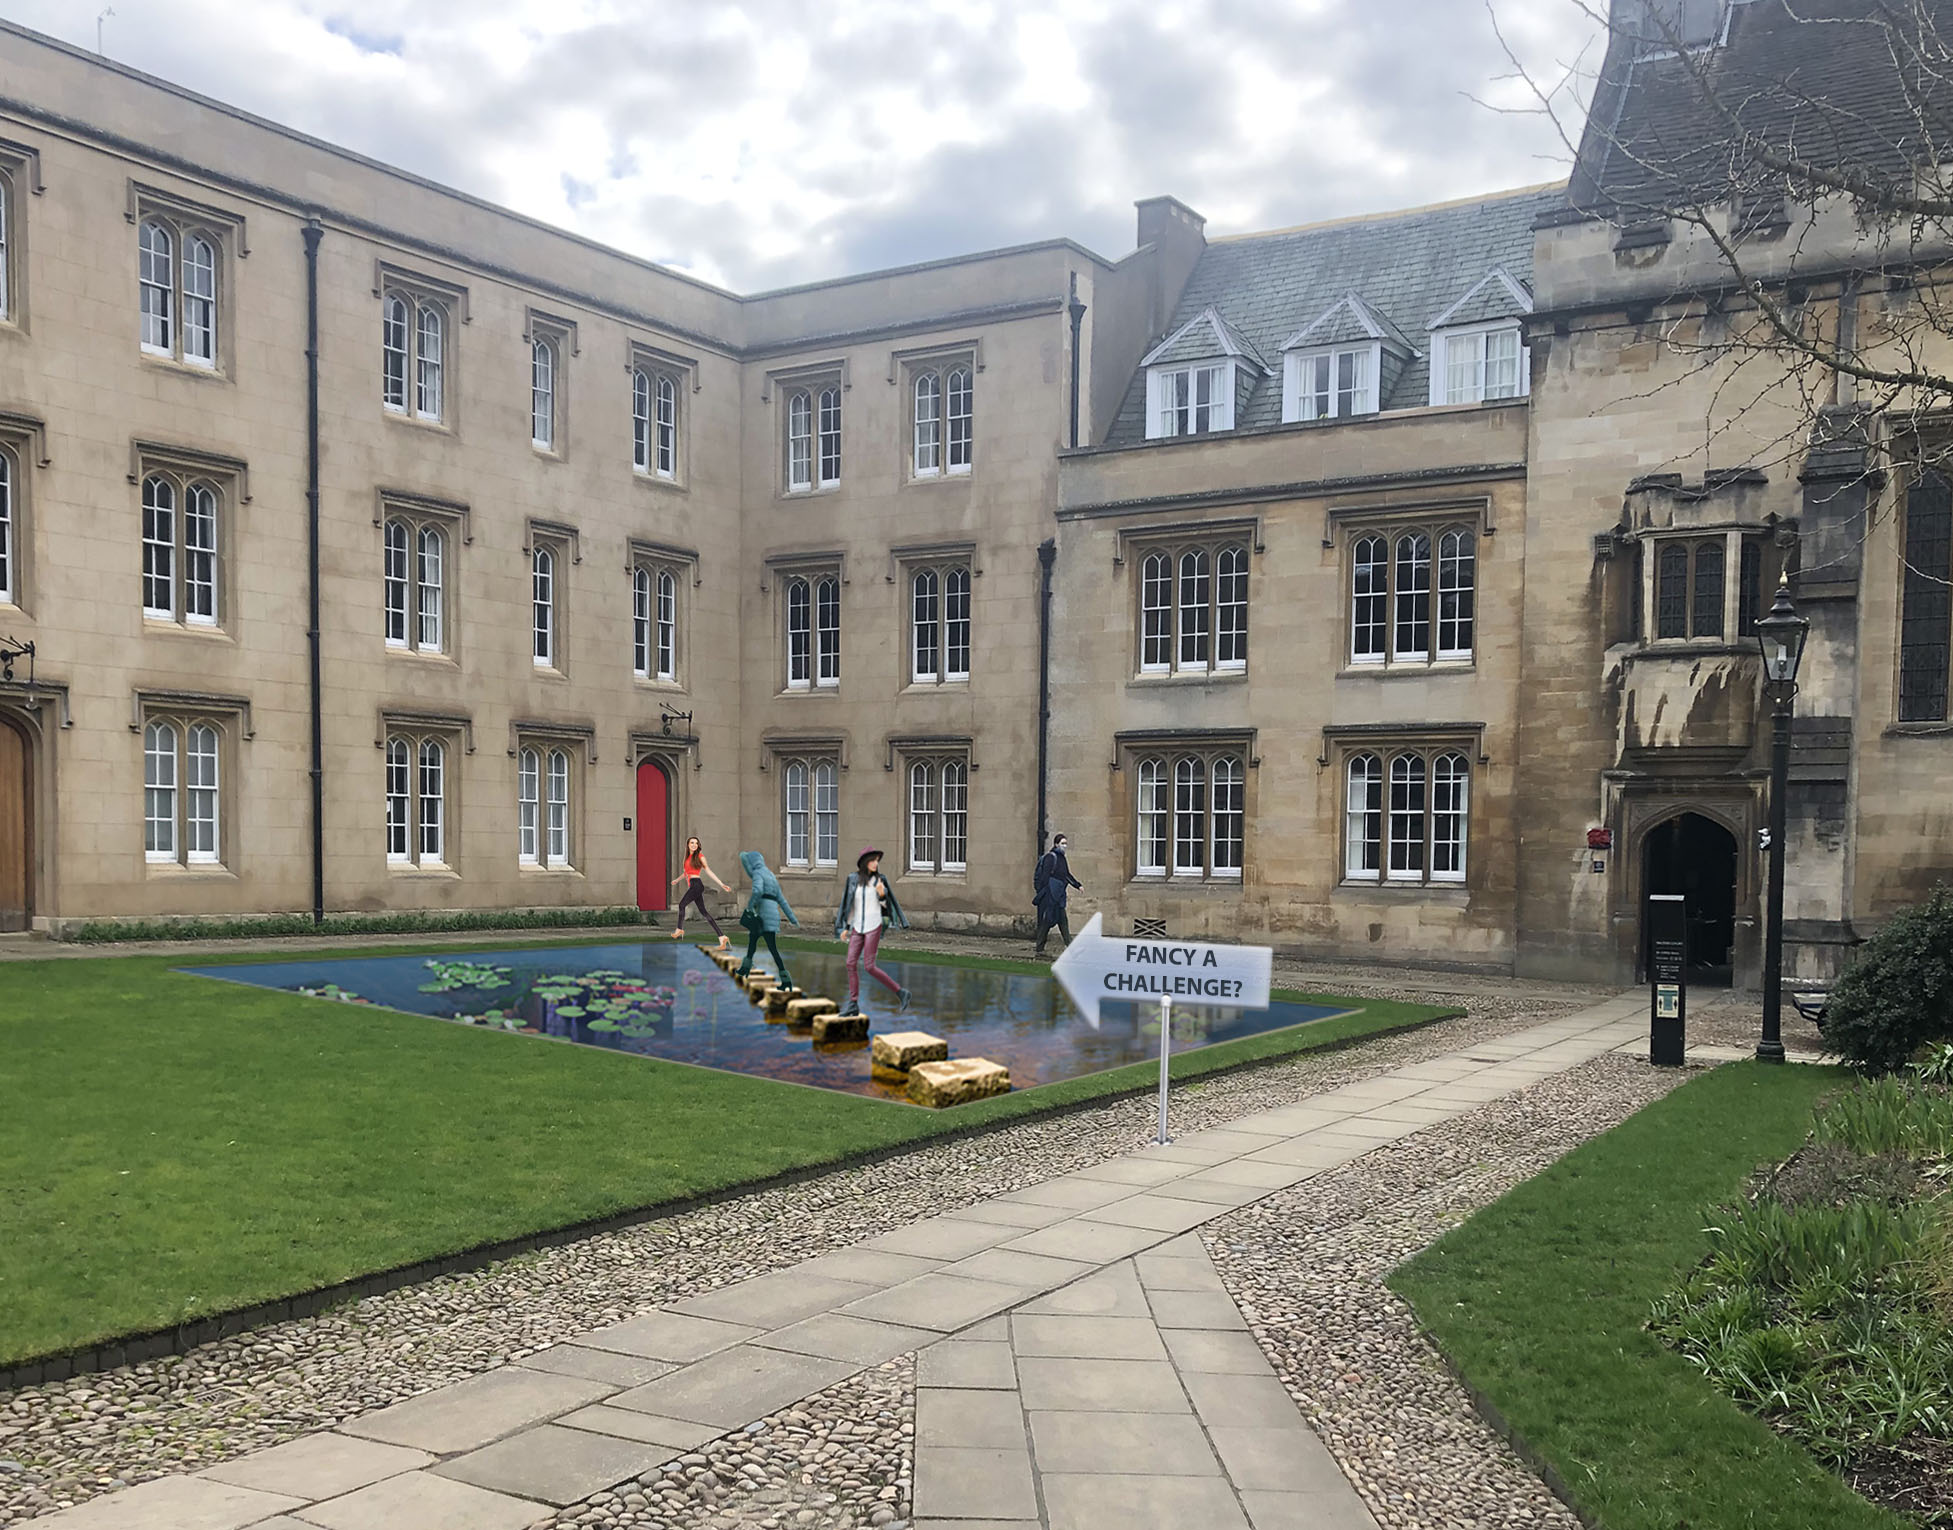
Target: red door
(653, 837)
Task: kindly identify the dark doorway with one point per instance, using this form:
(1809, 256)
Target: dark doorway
(16, 830)
(1696, 857)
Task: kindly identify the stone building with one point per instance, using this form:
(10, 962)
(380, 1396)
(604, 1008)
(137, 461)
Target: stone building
(1390, 593)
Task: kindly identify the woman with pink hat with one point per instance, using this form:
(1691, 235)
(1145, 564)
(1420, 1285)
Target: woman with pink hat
(868, 906)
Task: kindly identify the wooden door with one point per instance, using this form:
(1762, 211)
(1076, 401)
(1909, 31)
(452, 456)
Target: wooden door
(16, 830)
(653, 836)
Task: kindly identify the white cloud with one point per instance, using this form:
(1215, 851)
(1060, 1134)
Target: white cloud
(772, 141)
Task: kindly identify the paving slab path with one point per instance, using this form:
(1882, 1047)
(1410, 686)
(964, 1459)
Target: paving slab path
(1079, 1363)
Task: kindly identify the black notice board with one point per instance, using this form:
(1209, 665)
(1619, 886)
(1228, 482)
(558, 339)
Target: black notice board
(1668, 960)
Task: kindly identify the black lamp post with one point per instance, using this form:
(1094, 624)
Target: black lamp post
(1781, 636)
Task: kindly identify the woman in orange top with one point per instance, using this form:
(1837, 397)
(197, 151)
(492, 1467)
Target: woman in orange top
(694, 875)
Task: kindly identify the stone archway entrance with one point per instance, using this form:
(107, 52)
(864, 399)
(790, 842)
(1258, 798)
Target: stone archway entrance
(1695, 856)
(16, 828)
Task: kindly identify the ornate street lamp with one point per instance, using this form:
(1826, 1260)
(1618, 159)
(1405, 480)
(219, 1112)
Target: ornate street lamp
(1781, 636)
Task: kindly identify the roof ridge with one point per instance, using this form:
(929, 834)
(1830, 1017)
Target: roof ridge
(1401, 212)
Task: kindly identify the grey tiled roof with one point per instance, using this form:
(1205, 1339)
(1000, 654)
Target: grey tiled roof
(1406, 267)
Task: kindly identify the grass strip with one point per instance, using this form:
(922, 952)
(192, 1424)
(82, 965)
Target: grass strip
(179, 1148)
(1541, 1299)
(274, 926)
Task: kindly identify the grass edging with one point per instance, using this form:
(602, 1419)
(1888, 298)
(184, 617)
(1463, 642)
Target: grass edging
(1539, 1303)
(1330, 1034)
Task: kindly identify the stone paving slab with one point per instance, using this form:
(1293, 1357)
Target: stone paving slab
(471, 1413)
(557, 1465)
(837, 1336)
(1011, 1267)
(967, 1363)
(173, 1503)
(1086, 1338)
(606, 1365)
(941, 1302)
(952, 1416)
(943, 1238)
(1102, 1501)
(952, 1478)
(672, 1336)
(1171, 1444)
(422, 1501)
(647, 1428)
(1114, 1292)
(774, 1301)
(318, 1466)
(735, 1386)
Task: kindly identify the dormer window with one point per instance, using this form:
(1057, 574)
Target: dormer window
(1190, 401)
(1479, 365)
(1331, 384)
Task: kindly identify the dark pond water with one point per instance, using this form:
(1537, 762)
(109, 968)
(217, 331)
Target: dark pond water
(663, 999)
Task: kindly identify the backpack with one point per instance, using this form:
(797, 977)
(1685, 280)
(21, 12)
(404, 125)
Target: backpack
(1041, 877)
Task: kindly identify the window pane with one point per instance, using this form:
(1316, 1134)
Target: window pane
(1318, 394)
(1457, 578)
(7, 590)
(1706, 616)
(1189, 818)
(1923, 622)
(393, 353)
(1464, 357)
(399, 784)
(1195, 592)
(1156, 613)
(1407, 818)
(667, 428)
(797, 814)
(433, 801)
(1206, 402)
(542, 394)
(800, 441)
(543, 607)
(1352, 382)
(1230, 816)
(667, 626)
(962, 420)
(923, 617)
(1450, 794)
(641, 621)
(1672, 591)
(200, 555)
(830, 439)
(922, 818)
(956, 816)
(800, 632)
(956, 624)
(1502, 364)
(1413, 634)
(157, 287)
(1363, 824)
(430, 557)
(1749, 587)
(1369, 597)
(928, 423)
(200, 302)
(1231, 607)
(158, 548)
(559, 807)
(827, 631)
(827, 814)
(159, 791)
(528, 800)
(432, 327)
(200, 804)
(394, 562)
(641, 421)
(1151, 856)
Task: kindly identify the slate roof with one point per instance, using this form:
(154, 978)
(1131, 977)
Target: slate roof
(1831, 81)
(1406, 268)
(1204, 337)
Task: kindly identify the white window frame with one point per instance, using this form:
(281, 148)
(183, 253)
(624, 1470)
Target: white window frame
(936, 815)
(183, 562)
(1181, 832)
(545, 603)
(1471, 342)
(811, 416)
(179, 287)
(6, 247)
(9, 525)
(1304, 398)
(417, 785)
(1406, 809)
(810, 808)
(942, 420)
(1152, 819)
(543, 355)
(1182, 617)
(183, 793)
(415, 605)
(1173, 399)
(654, 424)
(939, 637)
(1387, 608)
(654, 622)
(810, 624)
(545, 796)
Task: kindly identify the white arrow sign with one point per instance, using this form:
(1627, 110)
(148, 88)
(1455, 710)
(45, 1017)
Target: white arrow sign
(1095, 968)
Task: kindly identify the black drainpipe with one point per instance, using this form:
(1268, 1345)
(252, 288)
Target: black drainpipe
(1077, 310)
(314, 232)
(1047, 556)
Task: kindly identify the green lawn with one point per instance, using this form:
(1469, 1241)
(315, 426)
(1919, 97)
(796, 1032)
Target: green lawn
(1541, 1298)
(177, 1147)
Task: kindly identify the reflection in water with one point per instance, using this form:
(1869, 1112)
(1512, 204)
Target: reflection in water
(669, 1001)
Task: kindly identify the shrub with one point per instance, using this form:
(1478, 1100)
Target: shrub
(1936, 1067)
(1894, 1116)
(1898, 995)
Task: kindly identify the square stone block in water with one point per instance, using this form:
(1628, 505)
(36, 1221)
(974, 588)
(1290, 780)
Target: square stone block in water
(755, 979)
(899, 1051)
(954, 1083)
(840, 1028)
(802, 1011)
(777, 1000)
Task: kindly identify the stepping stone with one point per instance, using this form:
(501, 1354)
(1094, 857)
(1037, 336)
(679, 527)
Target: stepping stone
(899, 1051)
(840, 1028)
(937, 1084)
(755, 977)
(802, 1011)
(777, 1000)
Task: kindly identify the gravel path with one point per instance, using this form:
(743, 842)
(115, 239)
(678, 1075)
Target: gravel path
(64, 1442)
(1307, 1266)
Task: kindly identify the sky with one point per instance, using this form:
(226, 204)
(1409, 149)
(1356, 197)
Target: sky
(762, 143)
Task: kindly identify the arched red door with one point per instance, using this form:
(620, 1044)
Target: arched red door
(653, 836)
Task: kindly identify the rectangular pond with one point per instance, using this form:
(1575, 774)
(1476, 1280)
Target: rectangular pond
(667, 999)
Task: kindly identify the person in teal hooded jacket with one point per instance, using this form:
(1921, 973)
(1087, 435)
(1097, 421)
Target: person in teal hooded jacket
(761, 916)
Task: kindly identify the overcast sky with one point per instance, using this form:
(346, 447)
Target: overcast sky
(766, 142)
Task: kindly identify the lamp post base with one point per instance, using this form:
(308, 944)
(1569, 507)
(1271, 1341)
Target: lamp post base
(1769, 1052)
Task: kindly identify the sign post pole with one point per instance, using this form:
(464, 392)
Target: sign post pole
(1166, 1042)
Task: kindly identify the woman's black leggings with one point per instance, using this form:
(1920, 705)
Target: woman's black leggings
(753, 938)
(695, 893)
